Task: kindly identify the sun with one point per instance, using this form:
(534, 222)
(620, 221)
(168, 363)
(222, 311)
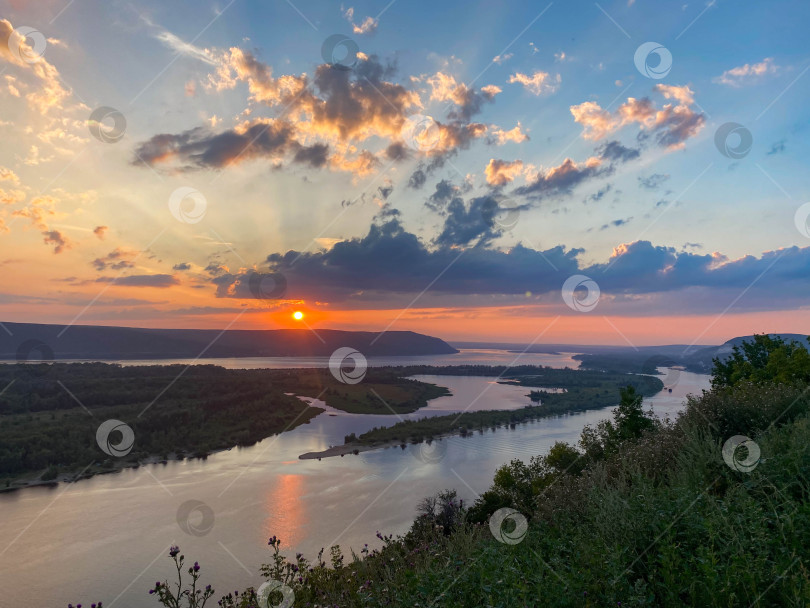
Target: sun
(298, 315)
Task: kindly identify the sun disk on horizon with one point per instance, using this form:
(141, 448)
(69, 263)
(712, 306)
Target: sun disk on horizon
(298, 315)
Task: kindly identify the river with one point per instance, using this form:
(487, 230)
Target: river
(107, 538)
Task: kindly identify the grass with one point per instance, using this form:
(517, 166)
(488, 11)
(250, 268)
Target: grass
(659, 520)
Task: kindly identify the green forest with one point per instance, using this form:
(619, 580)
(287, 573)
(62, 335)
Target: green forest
(641, 512)
(50, 414)
(583, 390)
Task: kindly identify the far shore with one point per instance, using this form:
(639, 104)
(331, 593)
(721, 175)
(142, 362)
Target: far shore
(115, 467)
(352, 448)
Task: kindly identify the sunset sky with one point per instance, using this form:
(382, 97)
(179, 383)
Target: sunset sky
(439, 167)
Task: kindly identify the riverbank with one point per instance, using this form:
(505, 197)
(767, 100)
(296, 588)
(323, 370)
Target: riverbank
(112, 467)
(261, 487)
(586, 514)
(52, 415)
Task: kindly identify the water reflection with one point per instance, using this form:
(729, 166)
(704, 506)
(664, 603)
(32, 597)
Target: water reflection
(113, 530)
(286, 509)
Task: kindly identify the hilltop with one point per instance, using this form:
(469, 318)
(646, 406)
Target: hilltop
(106, 343)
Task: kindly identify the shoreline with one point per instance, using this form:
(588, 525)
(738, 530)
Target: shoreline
(350, 448)
(36, 482)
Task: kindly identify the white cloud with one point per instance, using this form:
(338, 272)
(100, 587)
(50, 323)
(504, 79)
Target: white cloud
(750, 73)
(367, 26)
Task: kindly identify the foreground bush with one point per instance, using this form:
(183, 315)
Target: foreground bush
(641, 513)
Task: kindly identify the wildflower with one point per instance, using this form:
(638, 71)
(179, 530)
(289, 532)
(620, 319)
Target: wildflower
(174, 550)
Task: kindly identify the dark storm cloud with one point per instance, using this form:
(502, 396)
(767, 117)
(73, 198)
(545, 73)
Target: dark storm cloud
(389, 265)
(467, 223)
(397, 151)
(200, 148)
(469, 101)
(563, 179)
(568, 175)
(314, 156)
(614, 151)
(417, 179)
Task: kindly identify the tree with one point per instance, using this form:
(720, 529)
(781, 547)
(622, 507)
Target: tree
(763, 359)
(629, 422)
(629, 419)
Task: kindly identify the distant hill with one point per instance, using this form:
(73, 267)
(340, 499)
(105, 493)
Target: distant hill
(701, 359)
(646, 358)
(104, 343)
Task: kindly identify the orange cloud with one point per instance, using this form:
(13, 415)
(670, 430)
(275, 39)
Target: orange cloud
(502, 172)
(50, 93)
(538, 83)
(57, 239)
(515, 135)
(672, 124)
